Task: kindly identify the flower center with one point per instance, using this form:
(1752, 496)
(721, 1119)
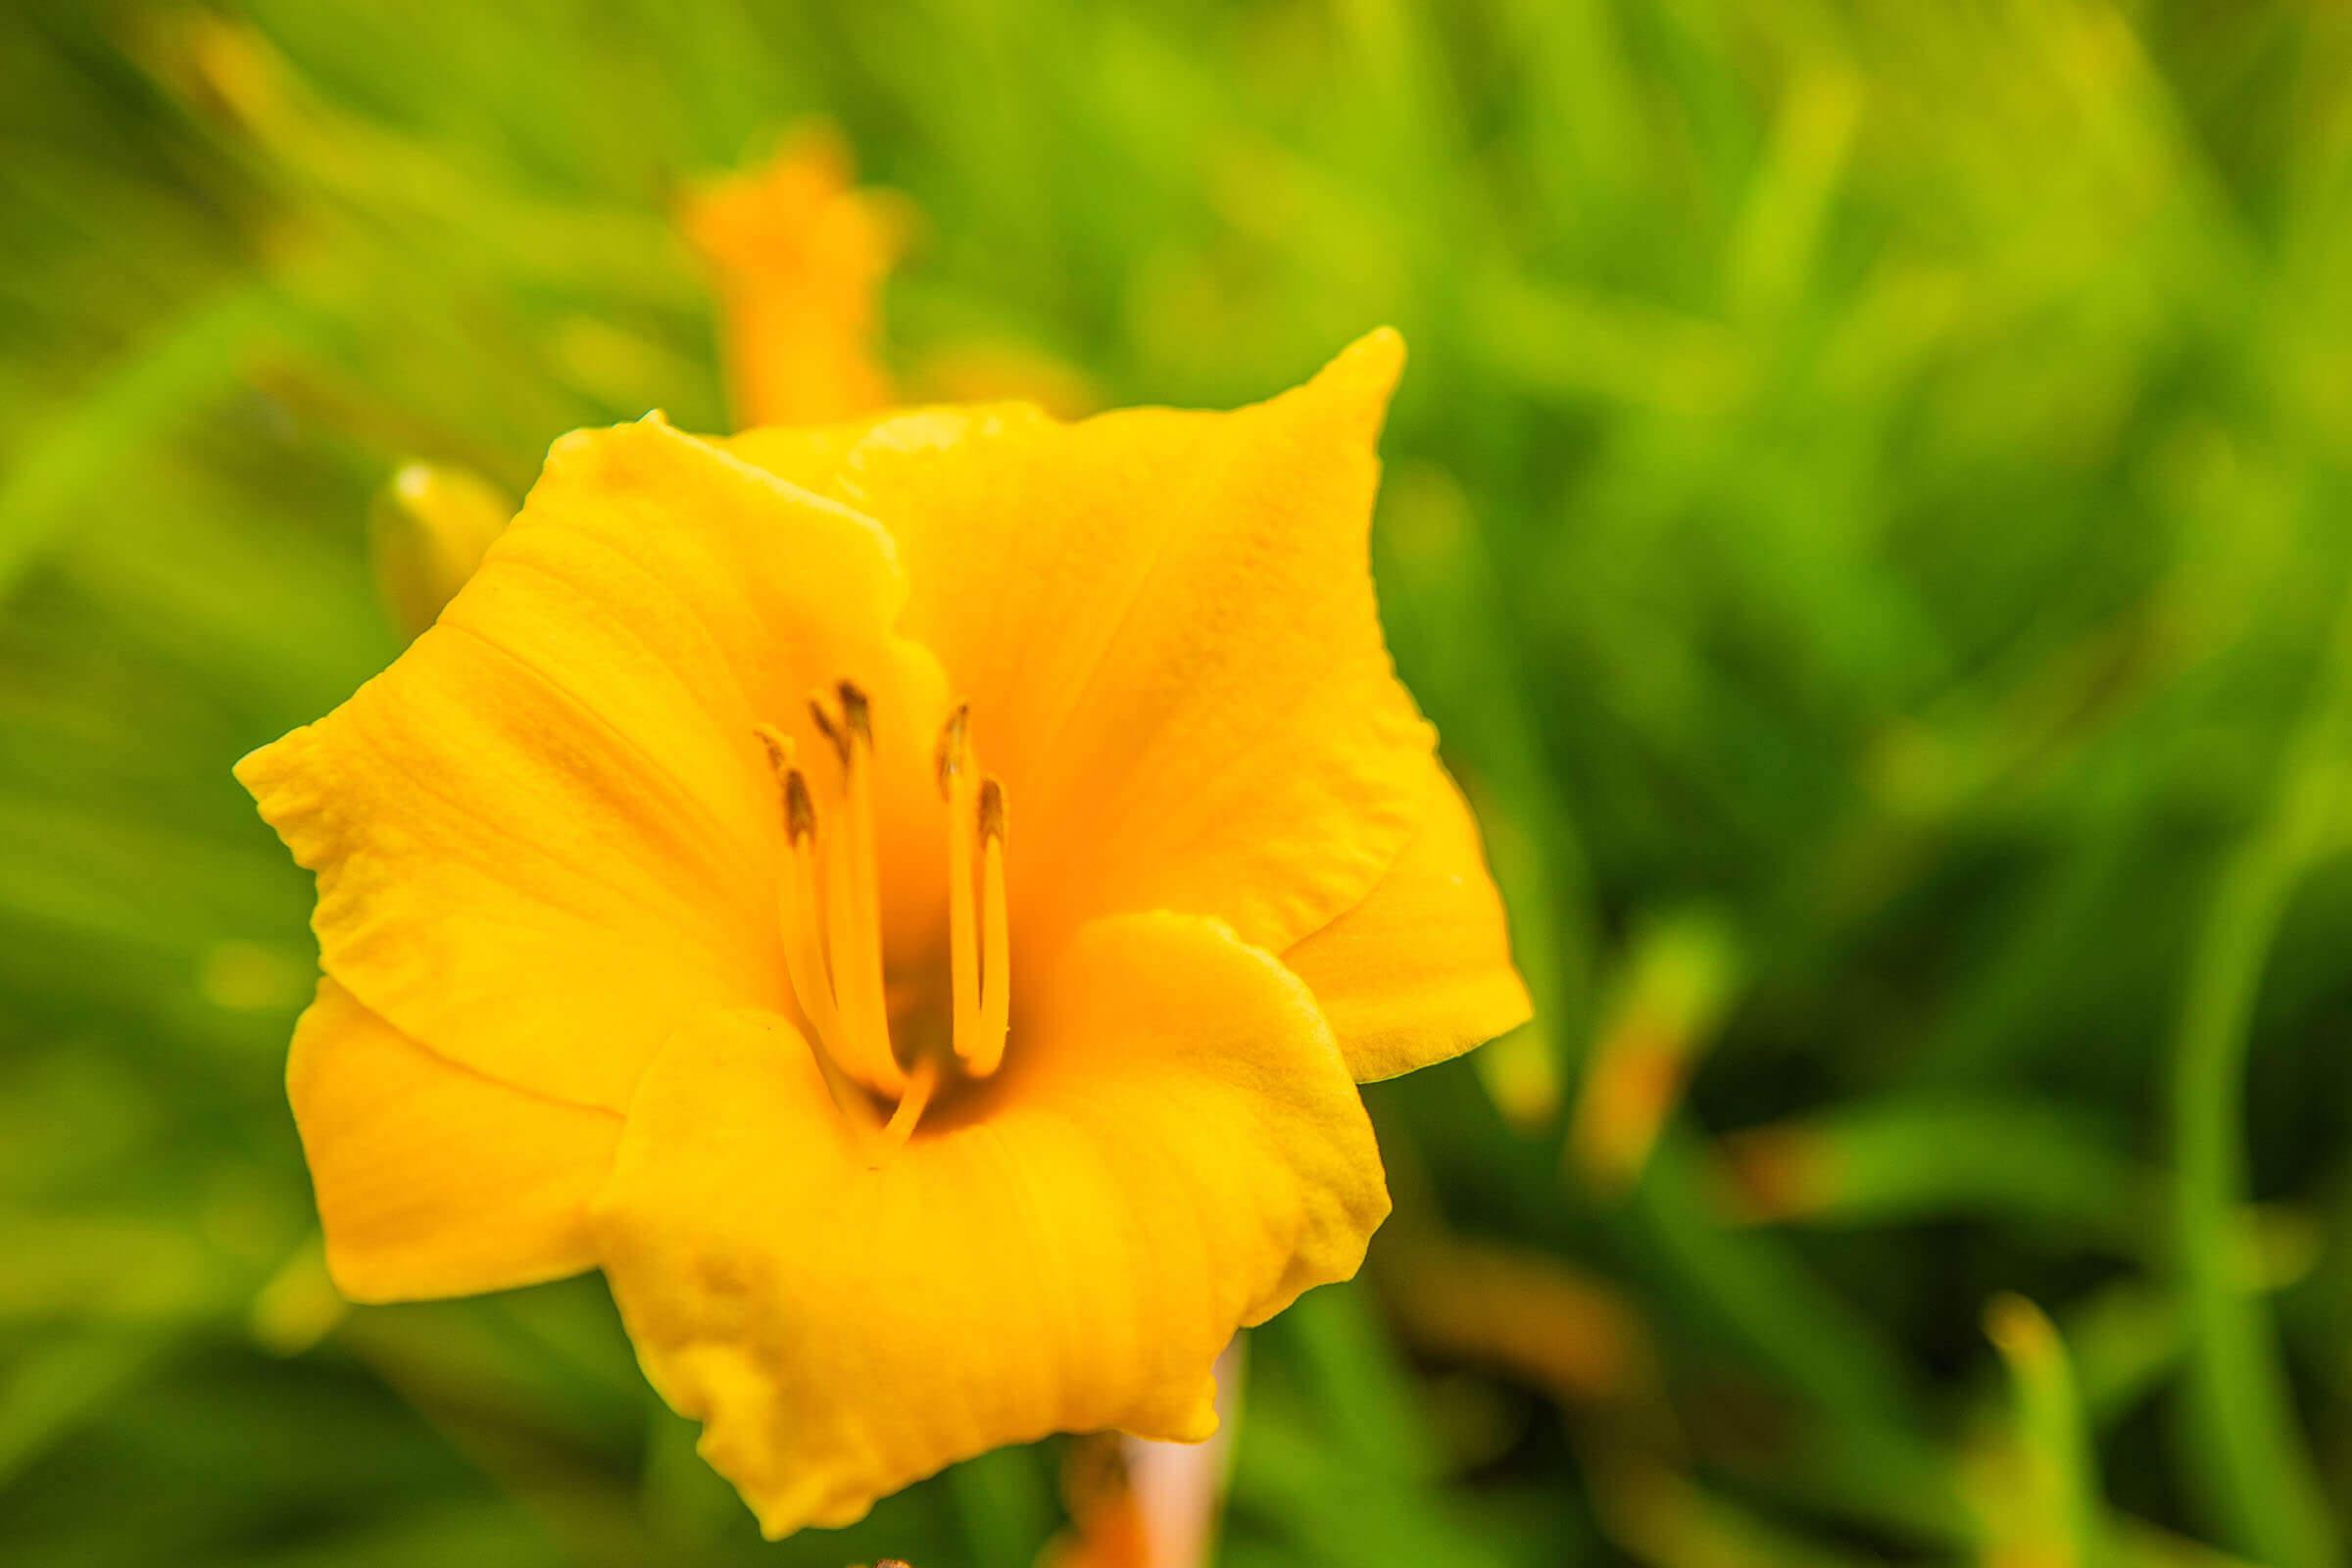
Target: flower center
(833, 920)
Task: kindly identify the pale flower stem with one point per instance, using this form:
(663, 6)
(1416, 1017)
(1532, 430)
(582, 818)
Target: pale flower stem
(1179, 1488)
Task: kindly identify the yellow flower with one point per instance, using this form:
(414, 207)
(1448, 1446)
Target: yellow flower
(910, 902)
(799, 254)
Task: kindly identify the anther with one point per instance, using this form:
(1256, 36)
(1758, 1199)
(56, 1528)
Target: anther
(855, 711)
(778, 746)
(832, 730)
(992, 811)
(800, 812)
(948, 759)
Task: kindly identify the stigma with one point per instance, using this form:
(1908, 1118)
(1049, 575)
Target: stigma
(832, 921)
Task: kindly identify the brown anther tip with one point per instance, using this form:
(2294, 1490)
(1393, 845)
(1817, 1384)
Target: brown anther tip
(950, 756)
(827, 727)
(855, 711)
(778, 746)
(992, 809)
(800, 812)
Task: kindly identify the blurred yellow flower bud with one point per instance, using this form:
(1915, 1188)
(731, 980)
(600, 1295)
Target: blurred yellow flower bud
(429, 530)
(799, 253)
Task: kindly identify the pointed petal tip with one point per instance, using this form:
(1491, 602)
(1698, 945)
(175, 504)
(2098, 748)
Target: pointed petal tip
(1360, 379)
(265, 769)
(597, 451)
(251, 769)
(1379, 353)
(1370, 366)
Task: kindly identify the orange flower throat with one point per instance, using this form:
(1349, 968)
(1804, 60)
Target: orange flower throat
(832, 921)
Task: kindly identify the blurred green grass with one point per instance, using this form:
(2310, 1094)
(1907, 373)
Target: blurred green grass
(1868, 508)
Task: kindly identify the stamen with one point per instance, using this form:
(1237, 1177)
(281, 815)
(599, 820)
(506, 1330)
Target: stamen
(853, 906)
(833, 947)
(964, 935)
(804, 950)
(995, 956)
(803, 954)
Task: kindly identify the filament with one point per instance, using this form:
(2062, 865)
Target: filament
(853, 921)
(964, 917)
(995, 957)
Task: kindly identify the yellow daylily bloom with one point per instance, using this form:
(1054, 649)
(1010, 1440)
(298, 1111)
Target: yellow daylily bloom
(910, 902)
(797, 253)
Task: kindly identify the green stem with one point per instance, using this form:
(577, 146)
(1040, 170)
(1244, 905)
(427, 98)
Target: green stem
(2266, 1496)
(2065, 1517)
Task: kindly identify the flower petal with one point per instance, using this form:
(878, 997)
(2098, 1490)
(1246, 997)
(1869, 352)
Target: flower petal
(548, 833)
(1165, 626)
(810, 456)
(433, 1180)
(1172, 1150)
(1421, 970)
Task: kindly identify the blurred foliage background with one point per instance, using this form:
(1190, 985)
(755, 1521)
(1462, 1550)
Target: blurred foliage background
(1867, 511)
